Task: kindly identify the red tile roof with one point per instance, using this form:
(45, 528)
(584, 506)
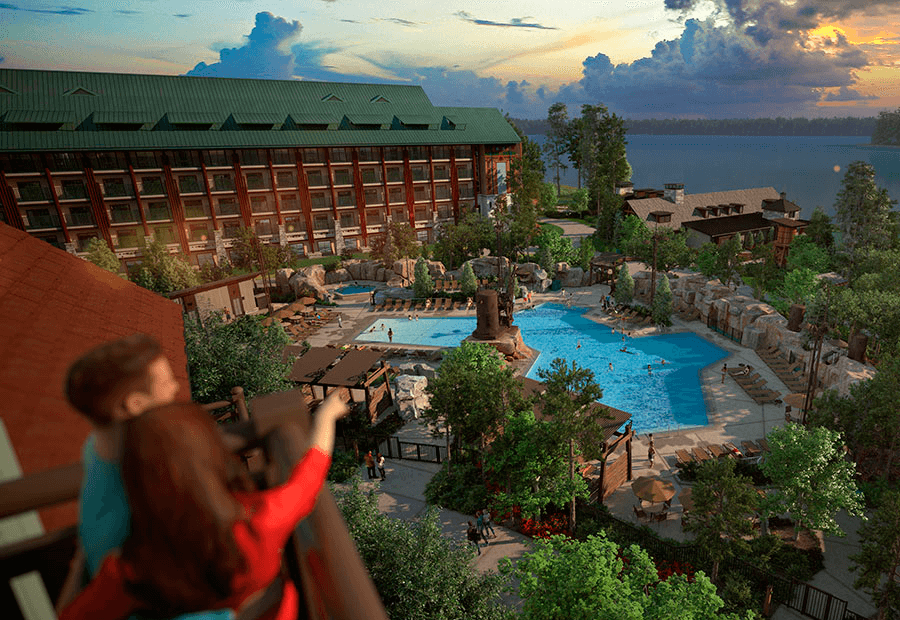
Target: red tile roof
(54, 307)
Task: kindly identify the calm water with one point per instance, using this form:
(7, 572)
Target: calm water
(803, 167)
(668, 398)
(354, 289)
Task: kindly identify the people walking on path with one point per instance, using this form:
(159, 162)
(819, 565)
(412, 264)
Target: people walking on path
(370, 464)
(472, 536)
(479, 522)
(486, 519)
(379, 460)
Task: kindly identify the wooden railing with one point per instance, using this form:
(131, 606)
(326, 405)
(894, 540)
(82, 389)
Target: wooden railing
(321, 557)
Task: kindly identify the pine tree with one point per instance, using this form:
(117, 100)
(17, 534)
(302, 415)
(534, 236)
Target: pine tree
(423, 285)
(624, 286)
(467, 282)
(862, 213)
(662, 302)
(98, 252)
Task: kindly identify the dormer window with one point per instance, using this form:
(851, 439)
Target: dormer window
(6, 91)
(378, 99)
(81, 91)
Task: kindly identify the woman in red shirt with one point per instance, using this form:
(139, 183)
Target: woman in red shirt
(202, 537)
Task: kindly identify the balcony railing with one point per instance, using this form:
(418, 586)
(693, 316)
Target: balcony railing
(227, 209)
(76, 192)
(80, 219)
(33, 194)
(124, 215)
(36, 222)
(154, 214)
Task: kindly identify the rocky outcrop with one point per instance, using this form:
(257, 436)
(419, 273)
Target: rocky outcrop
(411, 389)
(282, 281)
(302, 285)
(489, 266)
(394, 292)
(338, 275)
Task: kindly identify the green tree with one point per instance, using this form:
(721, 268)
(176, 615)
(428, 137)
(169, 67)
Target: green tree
(804, 252)
(624, 286)
(398, 242)
(549, 197)
(423, 285)
(798, 287)
(821, 229)
(671, 249)
(526, 173)
(570, 400)
(248, 248)
(241, 353)
(862, 213)
(467, 282)
(471, 393)
(722, 261)
(580, 202)
(762, 272)
(662, 303)
(593, 579)
(813, 478)
(556, 143)
(558, 248)
(887, 129)
(419, 574)
(99, 253)
(602, 157)
(528, 462)
(879, 558)
(161, 271)
(723, 505)
(633, 232)
(457, 243)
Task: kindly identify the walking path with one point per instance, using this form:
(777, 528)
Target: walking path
(575, 231)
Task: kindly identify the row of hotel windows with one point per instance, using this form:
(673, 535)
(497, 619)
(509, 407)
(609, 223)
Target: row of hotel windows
(120, 187)
(118, 160)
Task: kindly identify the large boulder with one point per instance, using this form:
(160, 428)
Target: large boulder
(436, 268)
(355, 269)
(530, 273)
(397, 292)
(405, 268)
(489, 266)
(574, 276)
(304, 286)
(282, 281)
(314, 273)
(338, 275)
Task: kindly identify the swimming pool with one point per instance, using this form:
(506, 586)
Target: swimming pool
(667, 398)
(354, 289)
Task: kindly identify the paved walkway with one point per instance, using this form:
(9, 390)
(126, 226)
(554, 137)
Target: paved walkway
(576, 231)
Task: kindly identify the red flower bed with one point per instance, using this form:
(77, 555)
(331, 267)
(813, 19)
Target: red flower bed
(552, 524)
(667, 569)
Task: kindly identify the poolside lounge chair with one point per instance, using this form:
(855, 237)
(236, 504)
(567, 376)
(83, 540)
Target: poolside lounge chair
(756, 386)
(774, 397)
(442, 303)
(740, 371)
(732, 450)
(747, 379)
(750, 449)
(717, 451)
(438, 285)
(764, 444)
(682, 457)
(700, 454)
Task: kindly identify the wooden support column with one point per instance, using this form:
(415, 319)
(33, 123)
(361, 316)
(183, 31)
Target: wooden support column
(209, 197)
(177, 209)
(59, 213)
(274, 186)
(334, 205)
(454, 184)
(243, 197)
(410, 194)
(101, 215)
(137, 197)
(8, 203)
(305, 199)
(360, 197)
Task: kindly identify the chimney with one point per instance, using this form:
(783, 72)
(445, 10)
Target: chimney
(783, 195)
(624, 188)
(674, 192)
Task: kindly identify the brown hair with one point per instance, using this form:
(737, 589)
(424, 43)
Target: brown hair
(179, 478)
(106, 374)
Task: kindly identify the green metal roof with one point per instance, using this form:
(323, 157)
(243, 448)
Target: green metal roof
(39, 116)
(147, 99)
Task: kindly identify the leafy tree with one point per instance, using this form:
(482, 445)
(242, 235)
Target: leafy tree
(887, 129)
(398, 242)
(879, 559)
(821, 229)
(526, 173)
(593, 579)
(601, 145)
(163, 272)
(624, 286)
(813, 478)
(467, 282)
(723, 505)
(762, 271)
(721, 261)
(570, 400)
(582, 255)
(862, 213)
(211, 272)
(804, 252)
(633, 232)
(248, 248)
(662, 303)
(471, 393)
(528, 461)
(671, 249)
(556, 143)
(424, 285)
(549, 196)
(609, 210)
(241, 353)
(460, 242)
(580, 202)
(99, 253)
(798, 287)
(558, 249)
(419, 574)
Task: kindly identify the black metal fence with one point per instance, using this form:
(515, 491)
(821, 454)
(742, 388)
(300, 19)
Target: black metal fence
(732, 333)
(395, 448)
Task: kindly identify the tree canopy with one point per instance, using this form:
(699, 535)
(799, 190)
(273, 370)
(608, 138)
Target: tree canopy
(457, 243)
(557, 137)
(99, 253)
(862, 213)
(879, 559)
(624, 286)
(423, 285)
(248, 248)
(161, 271)
(398, 242)
(887, 128)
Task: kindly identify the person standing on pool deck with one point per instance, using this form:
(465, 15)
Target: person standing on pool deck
(390, 335)
(651, 451)
(340, 322)
(724, 370)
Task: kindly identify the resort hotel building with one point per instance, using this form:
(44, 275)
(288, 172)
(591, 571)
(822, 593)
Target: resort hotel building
(318, 166)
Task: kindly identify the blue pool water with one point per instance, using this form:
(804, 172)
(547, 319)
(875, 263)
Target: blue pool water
(669, 398)
(354, 289)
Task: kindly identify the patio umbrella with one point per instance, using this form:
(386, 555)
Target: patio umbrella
(687, 501)
(308, 301)
(653, 489)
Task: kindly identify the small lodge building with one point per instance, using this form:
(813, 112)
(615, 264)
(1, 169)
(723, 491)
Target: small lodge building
(757, 215)
(232, 297)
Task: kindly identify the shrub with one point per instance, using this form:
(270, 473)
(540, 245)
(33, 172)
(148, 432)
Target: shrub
(463, 491)
(423, 284)
(343, 466)
(467, 282)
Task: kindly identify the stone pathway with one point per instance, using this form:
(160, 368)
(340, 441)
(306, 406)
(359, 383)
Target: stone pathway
(575, 231)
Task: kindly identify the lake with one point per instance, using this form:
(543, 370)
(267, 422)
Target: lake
(803, 167)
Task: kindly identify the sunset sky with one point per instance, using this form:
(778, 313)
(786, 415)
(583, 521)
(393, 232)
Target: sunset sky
(642, 58)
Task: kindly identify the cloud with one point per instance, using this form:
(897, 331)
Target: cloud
(63, 10)
(127, 12)
(182, 15)
(515, 22)
(350, 21)
(397, 20)
(260, 56)
(847, 94)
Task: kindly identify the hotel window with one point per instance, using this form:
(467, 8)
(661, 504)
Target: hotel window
(217, 158)
(252, 157)
(371, 175)
(260, 204)
(294, 225)
(342, 176)
(463, 152)
(374, 217)
(188, 184)
(374, 196)
(393, 153)
(398, 215)
(84, 240)
(348, 220)
(324, 247)
(289, 202)
(442, 192)
(194, 208)
(121, 213)
(158, 211)
(421, 215)
(32, 191)
(286, 179)
(127, 239)
(80, 216)
(442, 173)
(64, 161)
(368, 153)
(422, 192)
(445, 212)
(419, 173)
(320, 200)
(340, 154)
(466, 190)
(315, 178)
(41, 218)
(313, 156)
(223, 183)
(164, 234)
(395, 174)
(73, 189)
(440, 152)
(199, 232)
(321, 223)
(143, 160)
(396, 194)
(464, 171)
(152, 186)
(284, 156)
(231, 229)
(21, 162)
(108, 161)
(418, 152)
(263, 227)
(422, 236)
(185, 159)
(255, 180)
(346, 198)
(228, 206)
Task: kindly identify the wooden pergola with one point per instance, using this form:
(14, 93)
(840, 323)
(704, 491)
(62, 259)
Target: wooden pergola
(325, 369)
(604, 267)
